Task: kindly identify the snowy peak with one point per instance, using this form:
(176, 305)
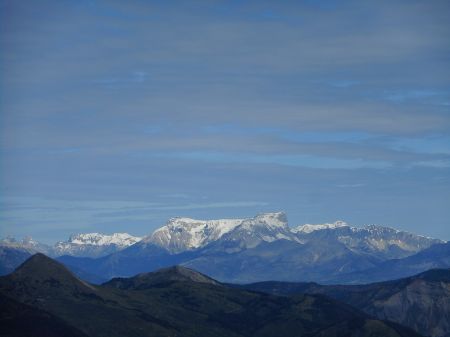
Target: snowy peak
(266, 227)
(380, 241)
(309, 228)
(272, 221)
(97, 239)
(181, 234)
(94, 244)
(83, 245)
(27, 243)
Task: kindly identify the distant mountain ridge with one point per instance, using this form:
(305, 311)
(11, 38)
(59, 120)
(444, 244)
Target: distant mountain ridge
(81, 245)
(180, 234)
(26, 244)
(185, 234)
(94, 244)
(260, 248)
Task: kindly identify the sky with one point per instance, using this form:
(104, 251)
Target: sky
(118, 115)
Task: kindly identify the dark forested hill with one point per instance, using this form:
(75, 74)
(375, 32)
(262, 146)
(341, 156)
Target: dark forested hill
(181, 302)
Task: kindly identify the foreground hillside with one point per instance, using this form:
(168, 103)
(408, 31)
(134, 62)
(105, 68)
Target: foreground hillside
(20, 320)
(181, 302)
(421, 302)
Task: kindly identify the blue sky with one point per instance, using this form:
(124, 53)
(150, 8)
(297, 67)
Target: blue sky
(117, 115)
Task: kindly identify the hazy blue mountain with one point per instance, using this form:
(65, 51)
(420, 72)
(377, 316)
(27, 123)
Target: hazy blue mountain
(280, 260)
(421, 302)
(181, 302)
(26, 244)
(128, 262)
(436, 256)
(11, 257)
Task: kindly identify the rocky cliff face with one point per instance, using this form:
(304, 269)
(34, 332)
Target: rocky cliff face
(421, 305)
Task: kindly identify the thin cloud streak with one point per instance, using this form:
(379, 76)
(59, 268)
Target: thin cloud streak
(182, 104)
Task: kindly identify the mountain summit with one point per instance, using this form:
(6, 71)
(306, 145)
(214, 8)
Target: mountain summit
(184, 234)
(161, 277)
(41, 267)
(44, 279)
(181, 234)
(94, 244)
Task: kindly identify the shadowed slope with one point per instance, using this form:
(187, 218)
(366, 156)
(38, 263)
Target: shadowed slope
(48, 285)
(181, 302)
(19, 320)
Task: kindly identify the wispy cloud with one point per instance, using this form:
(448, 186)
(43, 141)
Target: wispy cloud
(289, 160)
(414, 95)
(350, 185)
(433, 163)
(193, 104)
(342, 83)
(134, 77)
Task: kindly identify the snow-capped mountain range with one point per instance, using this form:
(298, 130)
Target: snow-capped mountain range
(256, 249)
(27, 244)
(81, 245)
(97, 239)
(94, 244)
(183, 234)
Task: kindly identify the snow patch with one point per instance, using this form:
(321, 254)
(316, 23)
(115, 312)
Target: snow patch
(309, 228)
(98, 239)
